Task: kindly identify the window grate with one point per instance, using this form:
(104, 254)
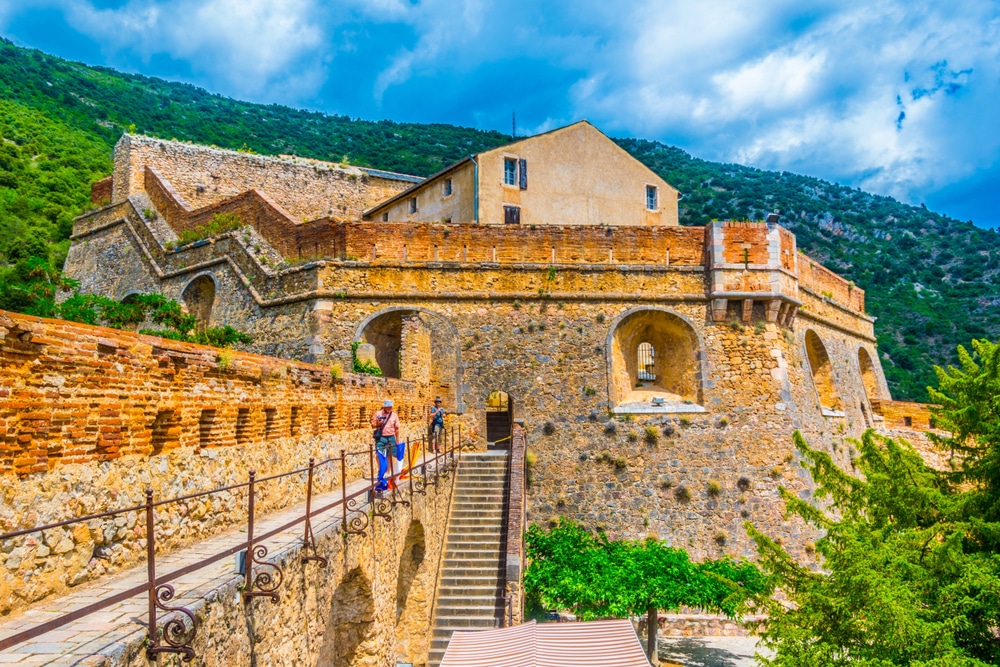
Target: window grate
(646, 358)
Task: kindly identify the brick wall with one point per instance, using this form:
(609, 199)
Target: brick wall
(904, 414)
(100, 191)
(824, 282)
(739, 234)
(73, 393)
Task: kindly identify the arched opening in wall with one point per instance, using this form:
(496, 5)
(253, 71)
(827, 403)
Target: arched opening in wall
(413, 594)
(349, 639)
(822, 372)
(869, 376)
(499, 419)
(416, 345)
(654, 364)
(199, 298)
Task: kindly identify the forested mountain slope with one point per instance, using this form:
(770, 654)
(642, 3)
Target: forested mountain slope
(932, 281)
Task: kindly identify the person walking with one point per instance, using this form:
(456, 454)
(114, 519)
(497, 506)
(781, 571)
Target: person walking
(435, 424)
(386, 425)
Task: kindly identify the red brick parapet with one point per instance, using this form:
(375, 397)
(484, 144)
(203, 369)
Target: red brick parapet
(75, 393)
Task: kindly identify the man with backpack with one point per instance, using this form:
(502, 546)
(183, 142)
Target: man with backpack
(435, 427)
(386, 425)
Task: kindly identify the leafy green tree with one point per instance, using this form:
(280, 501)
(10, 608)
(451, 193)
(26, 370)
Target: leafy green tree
(969, 400)
(572, 568)
(905, 579)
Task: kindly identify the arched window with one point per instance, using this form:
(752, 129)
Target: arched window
(654, 364)
(646, 363)
(822, 372)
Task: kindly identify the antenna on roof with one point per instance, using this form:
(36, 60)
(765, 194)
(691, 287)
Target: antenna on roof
(513, 125)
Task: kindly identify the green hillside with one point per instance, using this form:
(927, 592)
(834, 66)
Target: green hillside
(932, 281)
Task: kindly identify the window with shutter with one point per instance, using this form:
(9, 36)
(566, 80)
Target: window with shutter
(512, 215)
(509, 171)
(651, 198)
(413, 204)
(523, 165)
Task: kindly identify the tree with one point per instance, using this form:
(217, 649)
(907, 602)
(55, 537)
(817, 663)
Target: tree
(905, 580)
(969, 399)
(572, 568)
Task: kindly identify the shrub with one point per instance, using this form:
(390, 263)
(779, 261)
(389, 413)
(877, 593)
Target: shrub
(682, 494)
(336, 371)
(589, 391)
(548, 428)
(149, 214)
(600, 318)
(367, 367)
(723, 422)
(225, 360)
(684, 421)
(721, 539)
(632, 436)
(714, 488)
(650, 434)
(610, 428)
(619, 462)
(743, 484)
(219, 224)
(759, 328)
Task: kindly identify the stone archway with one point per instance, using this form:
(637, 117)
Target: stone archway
(416, 344)
(349, 639)
(199, 298)
(654, 362)
(413, 596)
(822, 372)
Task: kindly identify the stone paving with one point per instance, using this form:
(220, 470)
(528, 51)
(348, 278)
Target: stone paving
(708, 651)
(105, 634)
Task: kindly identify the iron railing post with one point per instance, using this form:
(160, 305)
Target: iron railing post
(309, 539)
(264, 583)
(176, 636)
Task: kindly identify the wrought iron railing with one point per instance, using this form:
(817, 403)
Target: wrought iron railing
(261, 577)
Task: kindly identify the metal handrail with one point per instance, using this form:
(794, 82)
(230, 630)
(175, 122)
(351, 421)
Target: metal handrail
(177, 632)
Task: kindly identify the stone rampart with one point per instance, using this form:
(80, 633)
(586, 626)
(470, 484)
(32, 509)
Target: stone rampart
(204, 176)
(91, 417)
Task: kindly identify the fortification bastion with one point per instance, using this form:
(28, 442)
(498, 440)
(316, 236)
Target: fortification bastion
(659, 369)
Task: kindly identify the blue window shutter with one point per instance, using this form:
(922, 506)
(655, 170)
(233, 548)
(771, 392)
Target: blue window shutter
(523, 164)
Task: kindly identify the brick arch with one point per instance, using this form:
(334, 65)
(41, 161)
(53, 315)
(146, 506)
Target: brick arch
(681, 368)
(383, 328)
(821, 370)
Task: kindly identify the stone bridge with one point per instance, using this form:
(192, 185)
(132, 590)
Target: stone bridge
(91, 418)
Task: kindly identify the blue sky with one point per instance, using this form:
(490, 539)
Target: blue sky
(896, 97)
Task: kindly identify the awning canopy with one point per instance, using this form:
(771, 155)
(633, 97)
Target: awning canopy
(593, 644)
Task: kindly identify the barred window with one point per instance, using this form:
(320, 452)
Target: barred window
(647, 362)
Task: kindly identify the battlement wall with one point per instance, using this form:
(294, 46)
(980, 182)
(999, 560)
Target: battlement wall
(75, 393)
(824, 282)
(306, 189)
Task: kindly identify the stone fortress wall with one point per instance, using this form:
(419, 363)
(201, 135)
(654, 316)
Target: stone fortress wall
(764, 340)
(91, 417)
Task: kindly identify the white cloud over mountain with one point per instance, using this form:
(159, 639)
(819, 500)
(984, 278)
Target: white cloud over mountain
(889, 95)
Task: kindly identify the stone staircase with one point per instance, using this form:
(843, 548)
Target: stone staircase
(469, 593)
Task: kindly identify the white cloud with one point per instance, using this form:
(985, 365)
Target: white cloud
(248, 46)
(763, 85)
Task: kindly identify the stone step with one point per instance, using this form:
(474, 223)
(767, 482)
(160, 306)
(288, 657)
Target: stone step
(469, 554)
(493, 532)
(486, 578)
(466, 591)
(466, 520)
(464, 508)
(463, 622)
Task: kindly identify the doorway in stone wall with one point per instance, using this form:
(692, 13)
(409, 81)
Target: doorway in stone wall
(499, 419)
